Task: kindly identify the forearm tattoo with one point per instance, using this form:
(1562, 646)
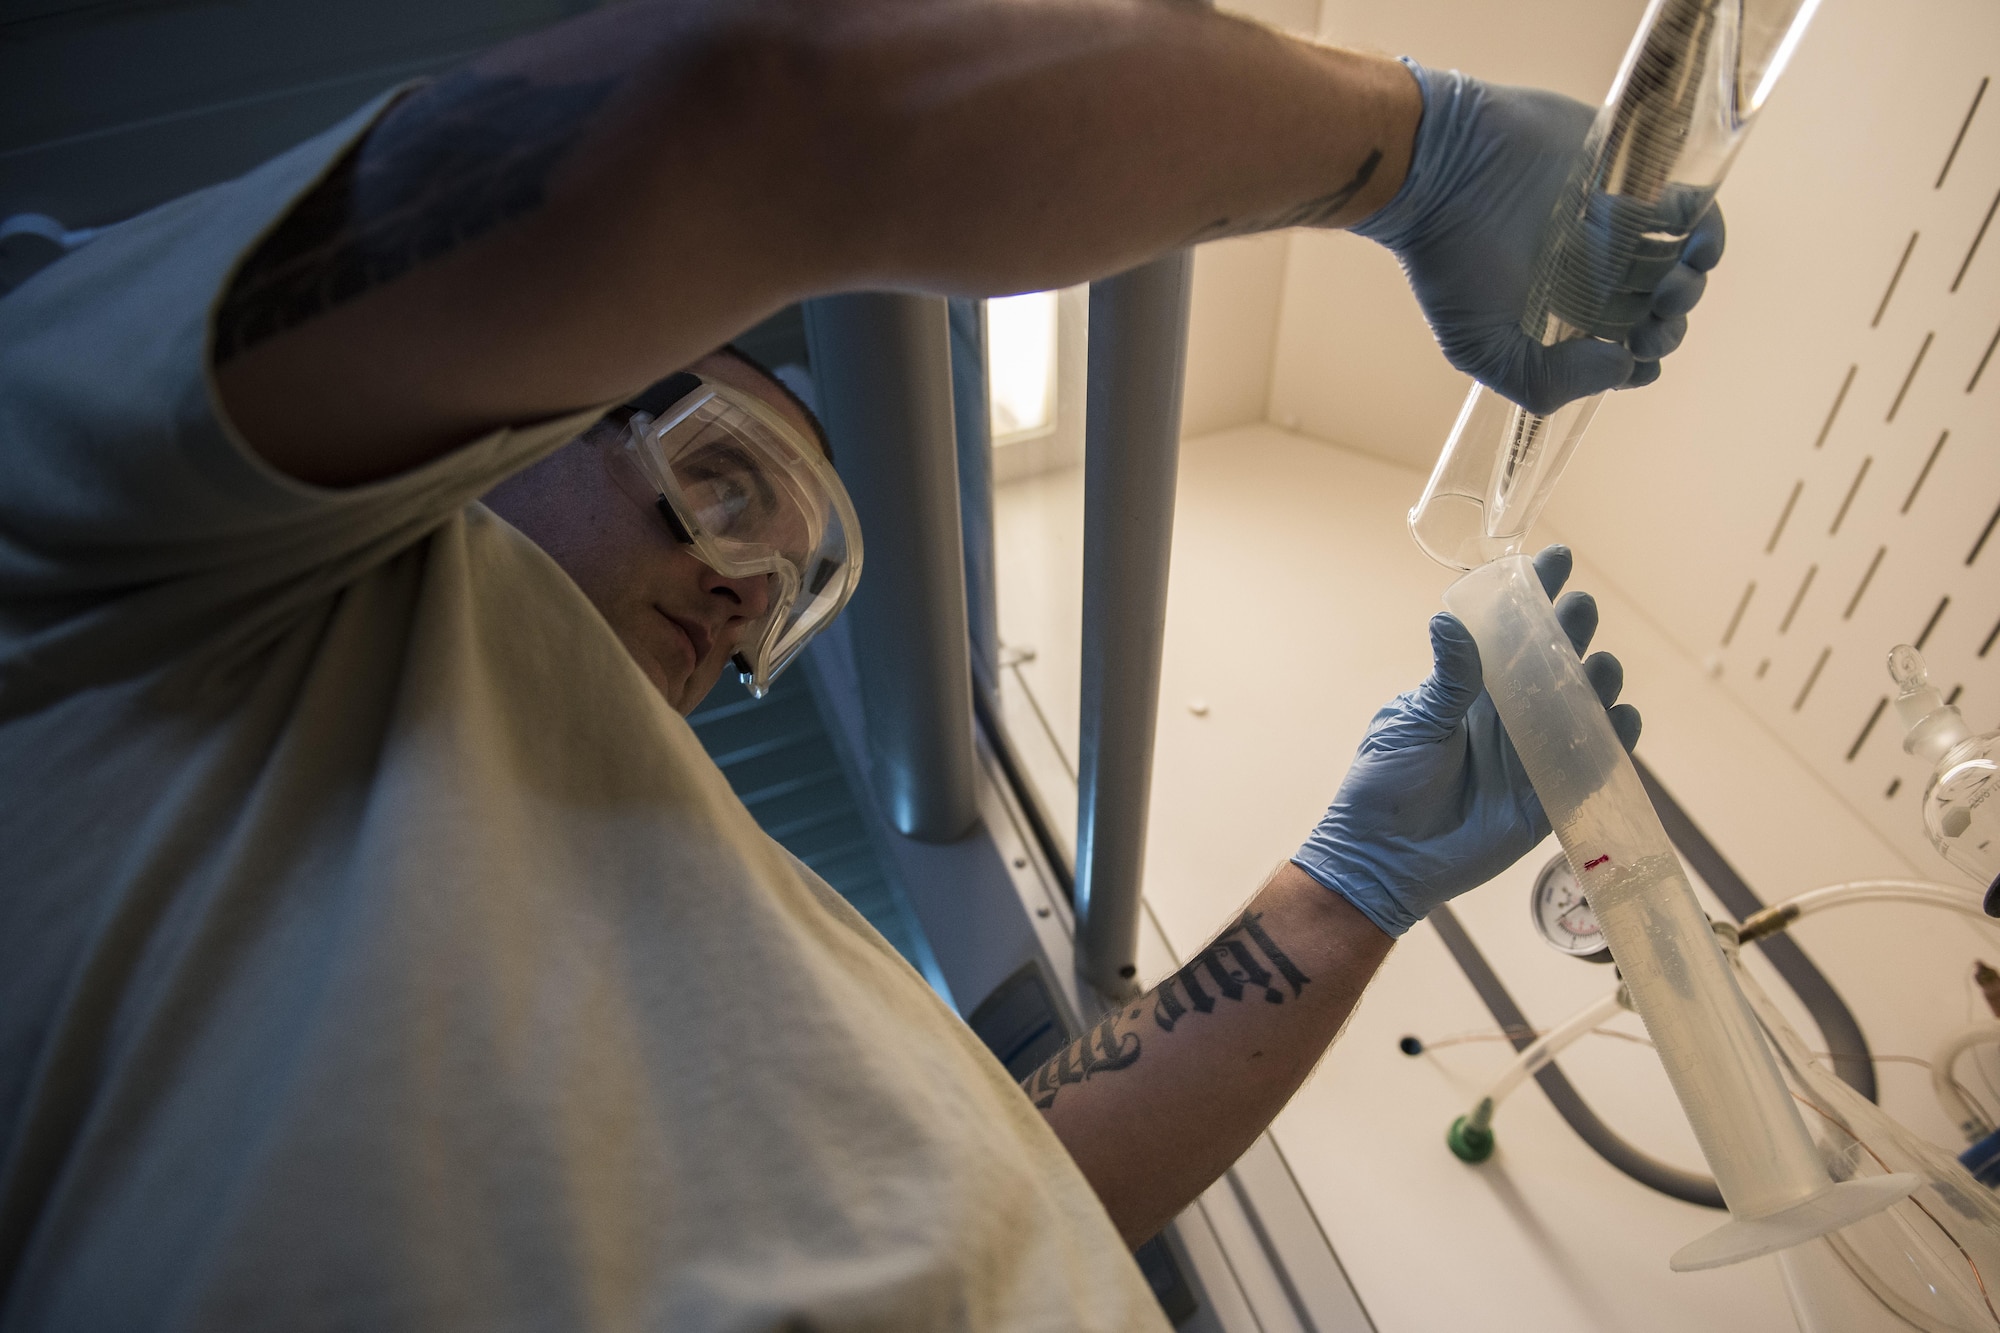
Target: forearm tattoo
(1243, 962)
(1318, 212)
(457, 160)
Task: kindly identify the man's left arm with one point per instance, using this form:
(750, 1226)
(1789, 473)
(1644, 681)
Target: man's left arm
(1158, 1098)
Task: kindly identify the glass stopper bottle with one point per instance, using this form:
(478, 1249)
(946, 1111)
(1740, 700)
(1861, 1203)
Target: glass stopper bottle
(1962, 800)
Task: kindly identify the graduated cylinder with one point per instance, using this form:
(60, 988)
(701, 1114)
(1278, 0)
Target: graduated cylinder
(1743, 1116)
(1693, 80)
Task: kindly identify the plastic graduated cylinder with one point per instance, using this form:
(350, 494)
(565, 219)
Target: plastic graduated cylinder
(1769, 1172)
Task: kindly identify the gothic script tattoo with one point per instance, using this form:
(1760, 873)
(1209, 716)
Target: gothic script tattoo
(455, 161)
(1105, 1050)
(1242, 961)
(1229, 967)
(1318, 212)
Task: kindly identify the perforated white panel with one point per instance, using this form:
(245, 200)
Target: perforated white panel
(1818, 476)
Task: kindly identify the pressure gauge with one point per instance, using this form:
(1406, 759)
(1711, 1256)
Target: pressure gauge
(1563, 916)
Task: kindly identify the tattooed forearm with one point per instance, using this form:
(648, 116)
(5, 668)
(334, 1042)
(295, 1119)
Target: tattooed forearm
(455, 161)
(1104, 1050)
(1243, 961)
(1318, 212)
(1230, 967)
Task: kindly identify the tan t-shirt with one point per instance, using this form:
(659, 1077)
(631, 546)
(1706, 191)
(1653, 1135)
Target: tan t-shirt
(378, 950)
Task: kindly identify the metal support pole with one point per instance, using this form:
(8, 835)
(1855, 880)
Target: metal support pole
(881, 366)
(1138, 350)
(975, 486)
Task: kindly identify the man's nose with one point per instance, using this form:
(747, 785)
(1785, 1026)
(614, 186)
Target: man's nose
(751, 594)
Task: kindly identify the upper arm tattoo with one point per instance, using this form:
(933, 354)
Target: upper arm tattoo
(450, 164)
(1243, 962)
(1318, 212)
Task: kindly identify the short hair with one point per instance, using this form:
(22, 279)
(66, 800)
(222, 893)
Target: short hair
(660, 395)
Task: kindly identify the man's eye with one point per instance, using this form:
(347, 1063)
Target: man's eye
(730, 500)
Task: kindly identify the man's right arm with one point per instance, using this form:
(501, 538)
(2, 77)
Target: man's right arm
(1157, 1099)
(579, 212)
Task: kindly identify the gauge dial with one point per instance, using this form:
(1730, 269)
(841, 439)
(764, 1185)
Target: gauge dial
(1562, 915)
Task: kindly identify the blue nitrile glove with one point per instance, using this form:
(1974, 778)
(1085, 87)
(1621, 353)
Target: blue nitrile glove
(1487, 168)
(1437, 801)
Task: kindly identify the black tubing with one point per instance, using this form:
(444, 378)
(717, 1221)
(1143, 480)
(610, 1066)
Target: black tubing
(1844, 1040)
(1688, 1186)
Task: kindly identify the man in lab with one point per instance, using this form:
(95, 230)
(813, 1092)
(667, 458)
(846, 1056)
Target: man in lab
(378, 948)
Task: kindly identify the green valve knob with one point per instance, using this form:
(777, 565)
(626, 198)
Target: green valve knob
(1470, 1137)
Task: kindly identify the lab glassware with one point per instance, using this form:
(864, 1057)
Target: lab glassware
(1961, 802)
(1692, 83)
(1769, 1172)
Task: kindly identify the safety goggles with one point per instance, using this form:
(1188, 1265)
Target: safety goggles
(752, 497)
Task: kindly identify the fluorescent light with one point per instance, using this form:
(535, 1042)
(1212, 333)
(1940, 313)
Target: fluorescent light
(1021, 365)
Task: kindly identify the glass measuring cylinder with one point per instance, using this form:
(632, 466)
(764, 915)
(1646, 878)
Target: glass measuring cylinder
(1692, 82)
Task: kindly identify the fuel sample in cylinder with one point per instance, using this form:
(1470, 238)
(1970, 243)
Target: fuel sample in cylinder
(1778, 1190)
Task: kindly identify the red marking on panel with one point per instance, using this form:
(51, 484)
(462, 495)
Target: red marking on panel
(1595, 862)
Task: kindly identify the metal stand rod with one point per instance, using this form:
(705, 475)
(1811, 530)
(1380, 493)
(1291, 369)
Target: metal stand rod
(881, 364)
(1138, 350)
(975, 486)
